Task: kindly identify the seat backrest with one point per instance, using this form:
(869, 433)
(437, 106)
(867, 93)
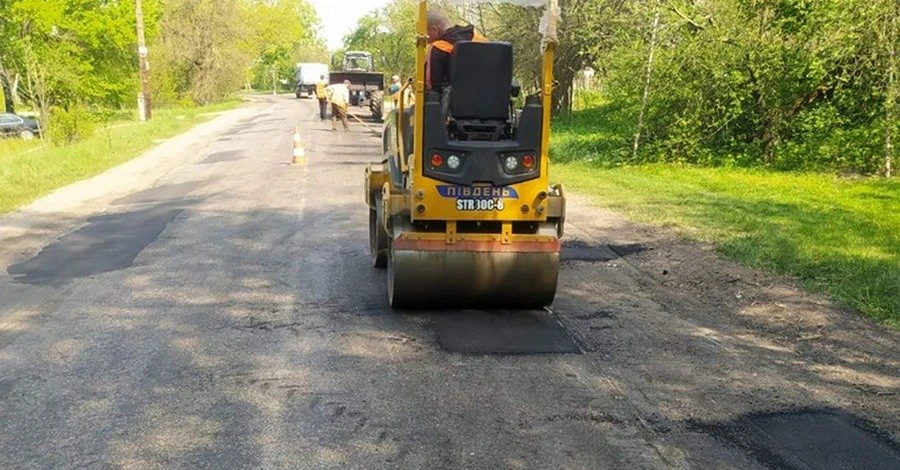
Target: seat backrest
(481, 77)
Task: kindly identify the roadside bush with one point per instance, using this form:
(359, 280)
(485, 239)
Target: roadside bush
(70, 126)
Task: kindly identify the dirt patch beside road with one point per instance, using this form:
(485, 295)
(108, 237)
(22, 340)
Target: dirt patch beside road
(700, 339)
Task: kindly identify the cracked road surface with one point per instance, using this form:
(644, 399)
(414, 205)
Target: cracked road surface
(208, 306)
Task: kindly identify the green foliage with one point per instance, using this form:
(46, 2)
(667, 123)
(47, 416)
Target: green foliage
(199, 54)
(788, 84)
(599, 134)
(281, 34)
(84, 51)
(389, 34)
(838, 236)
(67, 126)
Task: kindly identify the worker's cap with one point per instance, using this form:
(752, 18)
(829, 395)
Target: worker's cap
(346, 82)
(395, 78)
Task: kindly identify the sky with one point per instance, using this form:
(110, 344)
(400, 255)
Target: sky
(340, 16)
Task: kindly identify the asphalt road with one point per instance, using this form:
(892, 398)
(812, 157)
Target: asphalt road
(208, 306)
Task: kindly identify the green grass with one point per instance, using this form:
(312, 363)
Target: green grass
(834, 235)
(16, 146)
(840, 236)
(29, 170)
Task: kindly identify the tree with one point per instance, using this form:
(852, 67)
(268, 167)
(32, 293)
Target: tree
(86, 52)
(281, 33)
(585, 29)
(7, 56)
(389, 34)
(890, 36)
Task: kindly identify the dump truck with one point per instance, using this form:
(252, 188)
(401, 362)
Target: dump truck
(306, 76)
(366, 85)
(461, 210)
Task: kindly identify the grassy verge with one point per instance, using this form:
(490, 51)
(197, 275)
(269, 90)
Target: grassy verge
(29, 170)
(14, 146)
(837, 236)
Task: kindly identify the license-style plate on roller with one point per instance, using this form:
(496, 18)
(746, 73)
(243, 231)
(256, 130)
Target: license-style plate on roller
(480, 205)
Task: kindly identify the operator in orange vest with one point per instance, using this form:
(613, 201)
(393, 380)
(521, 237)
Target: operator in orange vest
(442, 38)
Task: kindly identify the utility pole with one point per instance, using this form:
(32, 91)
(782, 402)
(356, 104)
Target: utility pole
(144, 95)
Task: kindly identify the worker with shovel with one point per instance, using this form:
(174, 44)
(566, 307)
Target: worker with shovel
(339, 96)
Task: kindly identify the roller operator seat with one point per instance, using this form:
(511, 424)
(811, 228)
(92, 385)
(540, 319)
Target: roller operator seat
(481, 86)
(476, 124)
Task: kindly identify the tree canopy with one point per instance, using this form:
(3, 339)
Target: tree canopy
(84, 51)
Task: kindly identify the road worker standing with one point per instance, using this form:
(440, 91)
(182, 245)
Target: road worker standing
(321, 85)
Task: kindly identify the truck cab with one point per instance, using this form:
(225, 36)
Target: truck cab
(357, 61)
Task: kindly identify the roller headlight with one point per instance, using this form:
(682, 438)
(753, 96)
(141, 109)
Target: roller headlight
(453, 162)
(512, 163)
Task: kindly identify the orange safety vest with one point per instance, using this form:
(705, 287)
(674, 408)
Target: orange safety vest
(447, 46)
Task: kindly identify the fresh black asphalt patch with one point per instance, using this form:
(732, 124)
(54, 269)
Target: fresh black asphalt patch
(576, 250)
(630, 249)
(220, 157)
(165, 193)
(811, 439)
(108, 243)
(502, 333)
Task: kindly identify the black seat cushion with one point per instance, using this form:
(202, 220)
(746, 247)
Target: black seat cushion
(481, 77)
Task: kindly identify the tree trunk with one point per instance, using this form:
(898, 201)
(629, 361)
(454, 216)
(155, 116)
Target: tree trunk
(640, 123)
(891, 96)
(562, 93)
(8, 102)
(8, 98)
(37, 91)
(17, 80)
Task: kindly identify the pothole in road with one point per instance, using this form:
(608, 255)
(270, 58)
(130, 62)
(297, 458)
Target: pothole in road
(810, 438)
(220, 157)
(502, 333)
(108, 243)
(629, 249)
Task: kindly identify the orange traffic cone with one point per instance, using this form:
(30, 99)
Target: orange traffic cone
(299, 151)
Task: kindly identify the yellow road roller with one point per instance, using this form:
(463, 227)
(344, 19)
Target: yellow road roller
(461, 210)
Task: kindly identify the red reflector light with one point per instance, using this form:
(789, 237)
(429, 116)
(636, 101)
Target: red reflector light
(437, 160)
(528, 161)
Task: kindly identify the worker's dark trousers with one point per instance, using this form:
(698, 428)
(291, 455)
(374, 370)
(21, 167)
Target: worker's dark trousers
(323, 108)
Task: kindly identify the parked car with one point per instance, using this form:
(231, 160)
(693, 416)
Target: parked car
(14, 125)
